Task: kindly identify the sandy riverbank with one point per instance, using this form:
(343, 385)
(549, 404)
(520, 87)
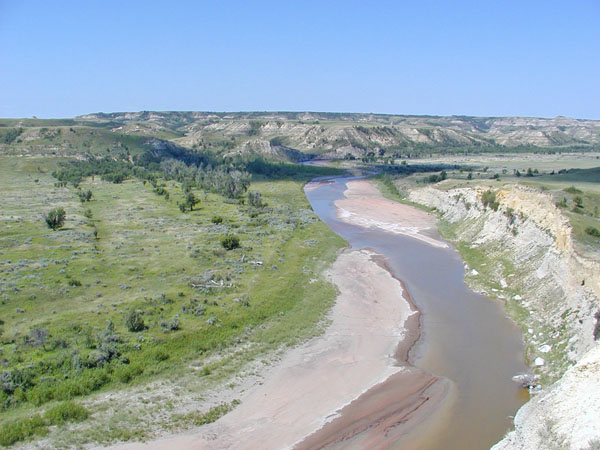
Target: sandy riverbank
(350, 387)
(364, 206)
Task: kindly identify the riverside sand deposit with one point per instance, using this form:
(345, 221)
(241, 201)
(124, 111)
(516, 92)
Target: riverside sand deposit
(382, 375)
(313, 382)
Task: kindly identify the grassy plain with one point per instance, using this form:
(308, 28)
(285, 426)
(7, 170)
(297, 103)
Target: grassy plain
(208, 312)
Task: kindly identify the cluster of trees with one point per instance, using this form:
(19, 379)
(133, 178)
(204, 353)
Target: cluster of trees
(11, 135)
(227, 181)
(437, 178)
(109, 169)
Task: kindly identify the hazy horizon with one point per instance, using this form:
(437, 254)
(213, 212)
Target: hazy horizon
(290, 111)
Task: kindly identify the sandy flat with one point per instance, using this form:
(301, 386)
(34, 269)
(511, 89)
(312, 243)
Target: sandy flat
(364, 206)
(315, 381)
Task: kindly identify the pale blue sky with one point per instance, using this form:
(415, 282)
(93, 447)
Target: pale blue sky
(491, 58)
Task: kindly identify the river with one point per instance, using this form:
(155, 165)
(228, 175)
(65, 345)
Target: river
(465, 337)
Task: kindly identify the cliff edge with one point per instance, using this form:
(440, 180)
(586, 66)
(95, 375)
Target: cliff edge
(518, 247)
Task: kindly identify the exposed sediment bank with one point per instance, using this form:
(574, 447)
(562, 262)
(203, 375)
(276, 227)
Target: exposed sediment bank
(338, 385)
(364, 206)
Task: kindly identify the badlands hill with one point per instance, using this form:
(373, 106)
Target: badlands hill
(339, 133)
(298, 136)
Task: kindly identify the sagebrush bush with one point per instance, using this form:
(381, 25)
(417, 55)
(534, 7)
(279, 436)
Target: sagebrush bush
(230, 242)
(135, 320)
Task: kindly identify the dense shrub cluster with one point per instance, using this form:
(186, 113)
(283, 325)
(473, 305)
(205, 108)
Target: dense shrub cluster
(489, 199)
(11, 135)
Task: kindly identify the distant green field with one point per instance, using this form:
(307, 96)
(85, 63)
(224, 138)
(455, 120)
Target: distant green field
(69, 141)
(510, 161)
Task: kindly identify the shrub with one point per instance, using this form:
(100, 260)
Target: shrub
(135, 321)
(126, 373)
(489, 199)
(171, 325)
(255, 199)
(572, 190)
(160, 355)
(592, 231)
(85, 196)
(55, 219)
(230, 242)
(562, 203)
(216, 220)
(21, 429)
(11, 135)
(14, 379)
(66, 412)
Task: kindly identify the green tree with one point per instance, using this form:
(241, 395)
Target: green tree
(55, 219)
(191, 200)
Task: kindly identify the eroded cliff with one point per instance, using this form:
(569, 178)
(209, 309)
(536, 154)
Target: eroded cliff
(518, 247)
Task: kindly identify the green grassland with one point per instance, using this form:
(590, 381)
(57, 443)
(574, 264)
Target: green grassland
(65, 295)
(68, 141)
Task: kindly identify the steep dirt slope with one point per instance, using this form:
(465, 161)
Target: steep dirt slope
(523, 253)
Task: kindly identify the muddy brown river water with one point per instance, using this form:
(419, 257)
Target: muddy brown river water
(465, 337)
